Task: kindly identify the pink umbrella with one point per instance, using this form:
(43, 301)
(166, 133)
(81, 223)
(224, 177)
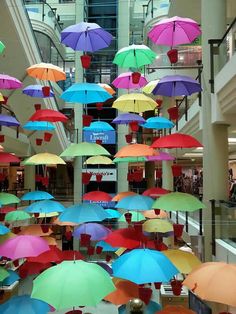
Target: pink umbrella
(162, 156)
(124, 80)
(9, 82)
(23, 246)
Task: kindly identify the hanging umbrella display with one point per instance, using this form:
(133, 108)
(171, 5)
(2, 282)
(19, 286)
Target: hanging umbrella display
(72, 284)
(48, 115)
(130, 159)
(98, 160)
(10, 279)
(113, 213)
(3, 229)
(36, 91)
(108, 88)
(134, 103)
(39, 126)
(125, 81)
(150, 86)
(99, 126)
(36, 196)
(178, 201)
(135, 202)
(52, 255)
(161, 157)
(177, 140)
(176, 309)
(105, 246)
(143, 266)
(158, 123)
(45, 206)
(213, 281)
(84, 149)
(97, 196)
(28, 269)
(9, 82)
(121, 195)
(6, 120)
(96, 231)
(155, 192)
(8, 157)
(8, 198)
(17, 215)
(71, 255)
(46, 72)
(35, 230)
(157, 225)
(136, 150)
(155, 214)
(151, 308)
(126, 118)
(44, 159)
(135, 217)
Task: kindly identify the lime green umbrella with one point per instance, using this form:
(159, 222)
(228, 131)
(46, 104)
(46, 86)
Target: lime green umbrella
(136, 216)
(178, 201)
(3, 273)
(7, 198)
(44, 159)
(84, 149)
(17, 215)
(98, 160)
(129, 159)
(71, 284)
(2, 46)
(150, 86)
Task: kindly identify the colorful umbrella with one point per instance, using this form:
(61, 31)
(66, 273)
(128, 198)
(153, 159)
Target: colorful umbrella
(136, 216)
(39, 126)
(162, 156)
(157, 225)
(28, 268)
(2, 47)
(52, 255)
(135, 202)
(108, 88)
(151, 214)
(9, 82)
(105, 266)
(214, 281)
(176, 309)
(71, 255)
(113, 213)
(178, 201)
(86, 37)
(44, 159)
(46, 72)
(8, 157)
(150, 86)
(72, 284)
(96, 231)
(3, 230)
(3, 273)
(177, 140)
(158, 123)
(121, 195)
(36, 196)
(7, 120)
(98, 160)
(136, 150)
(134, 56)
(23, 246)
(144, 266)
(174, 31)
(50, 240)
(84, 149)
(151, 308)
(177, 85)
(7, 198)
(48, 115)
(17, 215)
(134, 103)
(99, 126)
(155, 192)
(124, 80)
(45, 206)
(129, 159)
(97, 196)
(126, 118)
(36, 91)
(6, 236)
(10, 279)
(35, 230)
(106, 247)
(85, 93)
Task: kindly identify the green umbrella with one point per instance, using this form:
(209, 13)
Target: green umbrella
(136, 216)
(7, 198)
(17, 215)
(129, 159)
(71, 284)
(2, 46)
(84, 149)
(177, 201)
(3, 274)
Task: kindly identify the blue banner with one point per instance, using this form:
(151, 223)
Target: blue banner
(107, 137)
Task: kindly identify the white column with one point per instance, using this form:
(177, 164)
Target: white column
(29, 177)
(167, 176)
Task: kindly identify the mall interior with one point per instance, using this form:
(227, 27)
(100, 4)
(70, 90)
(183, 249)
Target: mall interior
(31, 33)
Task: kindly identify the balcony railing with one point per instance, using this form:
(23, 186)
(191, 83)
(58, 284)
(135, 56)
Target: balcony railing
(157, 7)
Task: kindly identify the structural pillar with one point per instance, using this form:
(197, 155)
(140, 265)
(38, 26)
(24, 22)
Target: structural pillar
(29, 177)
(167, 176)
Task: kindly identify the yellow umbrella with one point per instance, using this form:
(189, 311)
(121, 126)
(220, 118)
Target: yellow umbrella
(134, 103)
(157, 225)
(150, 86)
(48, 215)
(108, 88)
(1, 97)
(98, 160)
(184, 261)
(120, 251)
(46, 72)
(44, 159)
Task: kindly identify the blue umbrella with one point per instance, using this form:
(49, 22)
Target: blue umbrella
(45, 206)
(36, 91)
(99, 126)
(36, 196)
(39, 126)
(113, 213)
(3, 229)
(158, 123)
(96, 231)
(151, 308)
(85, 212)
(143, 265)
(24, 304)
(13, 276)
(7, 120)
(85, 93)
(106, 247)
(135, 202)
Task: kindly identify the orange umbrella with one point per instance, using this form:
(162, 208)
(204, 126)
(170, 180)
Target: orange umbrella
(46, 72)
(108, 88)
(125, 291)
(136, 150)
(35, 230)
(63, 223)
(121, 195)
(151, 214)
(175, 309)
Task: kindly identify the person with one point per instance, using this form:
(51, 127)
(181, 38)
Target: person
(5, 184)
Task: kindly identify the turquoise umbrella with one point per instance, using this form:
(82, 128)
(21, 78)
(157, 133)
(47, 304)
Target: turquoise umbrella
(36, 196)
(39, 126)
(45, 206)
(106, 247)
(99, 126)
(135, 202)
(113, 213)
(158, 123)
(13, 277)
(3, 230)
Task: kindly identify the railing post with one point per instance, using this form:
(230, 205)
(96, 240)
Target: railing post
(152, 10)
(199, 62)
(186, 108)
(200, 221)
(213, 233)
(186, 221)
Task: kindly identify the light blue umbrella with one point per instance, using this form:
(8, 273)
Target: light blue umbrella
(13, 277)
(106, 247)
(143, 265)
(113, 213)
(99, 126)
(96, 231)
(158, 123)
(36, 91)
(24, 304)
(151, 308)
(4, 229)
(85, 212)
(136, 216)
(135, 202)
(85, 93)
(39, 126)
(36, 196)
(46, 206)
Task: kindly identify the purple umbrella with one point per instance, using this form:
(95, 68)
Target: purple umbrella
(160, 157)
(174, 31)
(96, 231)
(9, 82)
(35, 91)
(177, 85)
(86, 37)
(124, 80)
(126, 118)
(8, 120)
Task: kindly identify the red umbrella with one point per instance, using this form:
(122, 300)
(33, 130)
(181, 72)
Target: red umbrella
(71, 255)
(7, 158)
(97, 196)
(7, 209)
(155, 192)
(48, 115)
(29, 268)
(53, 255)
(177, 140)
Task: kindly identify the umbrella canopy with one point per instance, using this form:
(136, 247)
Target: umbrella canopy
(3, 230)
(184, 261)
(124, 80)
(136, 150)
(162, 156)
(157, 225)
(98, 160)
(158, 123)
(176, 309)
(106, 247)
(105, 266)
(7, 120)
(2, 47)
(17, 215)
(84, 149)
(126, 118)
(39, 126)
(151, 214)
(150, 86)
(80, 213)
(178, 201)
(134, 103)
(24, 304)
(143, 266)
(97, 196)
(52, 255)
(8, 157)
(129, 159)
(99, 126)
(7, 198)
(9, 82)
(44, 159)
(113, 213)
(35, 230)
(86, 37)
(177, 140)
(155, 192)
(36, 196)
(28, 268)
(177, 85)
(108, 88)
(85, 93)
(3, 273)
(136, 216)
(71, 255)
(135, 202)
(48, 115)
(214, 281)
(36, 91)
(46, 72)
(134, 56)
(121, 195)
(45, 206)
(72, 284)
(10, 279)
(96, 231)
(23, 246)
(174, 31)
